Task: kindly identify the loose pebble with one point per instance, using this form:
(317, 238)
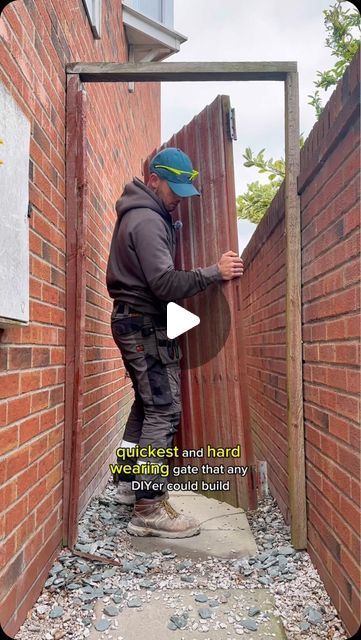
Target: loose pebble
(111, 610)
(314, 616)
(56, 612)
(201, 597)
(251, 625)
(102, 625)
(180, 622)
(134, 602)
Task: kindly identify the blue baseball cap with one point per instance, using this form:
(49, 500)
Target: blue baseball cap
(174, 166)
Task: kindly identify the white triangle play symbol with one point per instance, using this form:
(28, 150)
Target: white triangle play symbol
(179, 320)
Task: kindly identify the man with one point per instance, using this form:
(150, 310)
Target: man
(141, 279)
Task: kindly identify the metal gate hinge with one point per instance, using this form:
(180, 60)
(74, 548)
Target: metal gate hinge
(231, 121)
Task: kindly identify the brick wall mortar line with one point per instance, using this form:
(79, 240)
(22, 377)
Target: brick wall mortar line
(307, 174)
(90, 392)
(324, 253)
(51, 224)
(339, 267)
(93, 404)
(324, 186)
(333, 507)
(334, 365)
(329, 479)
(34, 413)
(330, 411)
(331, 294)
(270, 412)
(316, 240)
(29, 513)
(331, 461)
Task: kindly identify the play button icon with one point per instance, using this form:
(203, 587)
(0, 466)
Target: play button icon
(179, 320)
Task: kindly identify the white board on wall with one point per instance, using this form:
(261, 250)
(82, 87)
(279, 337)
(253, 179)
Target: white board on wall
(14, 201)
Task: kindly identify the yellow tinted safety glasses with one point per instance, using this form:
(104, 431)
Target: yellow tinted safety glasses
(192, 174)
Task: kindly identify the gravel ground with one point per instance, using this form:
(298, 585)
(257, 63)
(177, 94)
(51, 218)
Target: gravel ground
(65, 609)
(301, 599)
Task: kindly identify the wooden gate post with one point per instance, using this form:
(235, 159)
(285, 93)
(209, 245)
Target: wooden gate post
(76, 162)
(296, 453)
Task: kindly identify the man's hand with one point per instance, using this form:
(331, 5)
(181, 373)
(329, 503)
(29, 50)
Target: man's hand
(230, 265)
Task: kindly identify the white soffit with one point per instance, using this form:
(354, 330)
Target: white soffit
(148, 38)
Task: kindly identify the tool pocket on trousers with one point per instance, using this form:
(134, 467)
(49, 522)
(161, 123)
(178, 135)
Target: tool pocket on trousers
(126, 325)
(158, 380)
(169, 350)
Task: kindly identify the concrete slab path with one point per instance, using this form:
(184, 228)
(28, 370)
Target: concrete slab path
(151, 621)
(225, 531)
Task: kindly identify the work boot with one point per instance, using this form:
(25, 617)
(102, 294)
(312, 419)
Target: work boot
(156, 517)
(125, 493)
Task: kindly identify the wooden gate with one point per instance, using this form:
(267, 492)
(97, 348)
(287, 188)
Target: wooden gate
(214, 394)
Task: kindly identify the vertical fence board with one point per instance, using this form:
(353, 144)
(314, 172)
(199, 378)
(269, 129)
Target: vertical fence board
(236, 360)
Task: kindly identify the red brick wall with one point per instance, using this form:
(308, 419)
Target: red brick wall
(264, 308)
(113, 158)
(329, 186)
(37, 39)
(329, 189)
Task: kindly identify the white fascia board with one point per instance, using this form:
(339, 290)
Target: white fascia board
(141, 30)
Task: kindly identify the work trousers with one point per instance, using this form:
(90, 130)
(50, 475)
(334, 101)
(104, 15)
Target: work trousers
(152, 362)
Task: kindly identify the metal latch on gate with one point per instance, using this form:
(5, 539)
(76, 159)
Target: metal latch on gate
(231, 121)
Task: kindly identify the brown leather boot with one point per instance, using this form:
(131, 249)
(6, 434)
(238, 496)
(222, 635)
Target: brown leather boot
(156, 517)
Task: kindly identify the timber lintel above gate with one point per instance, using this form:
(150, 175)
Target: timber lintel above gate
(180, 71)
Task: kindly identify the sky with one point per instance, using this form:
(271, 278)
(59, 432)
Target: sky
(269, 30)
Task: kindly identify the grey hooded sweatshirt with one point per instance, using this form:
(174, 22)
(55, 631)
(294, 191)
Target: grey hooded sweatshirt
(140, 268)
